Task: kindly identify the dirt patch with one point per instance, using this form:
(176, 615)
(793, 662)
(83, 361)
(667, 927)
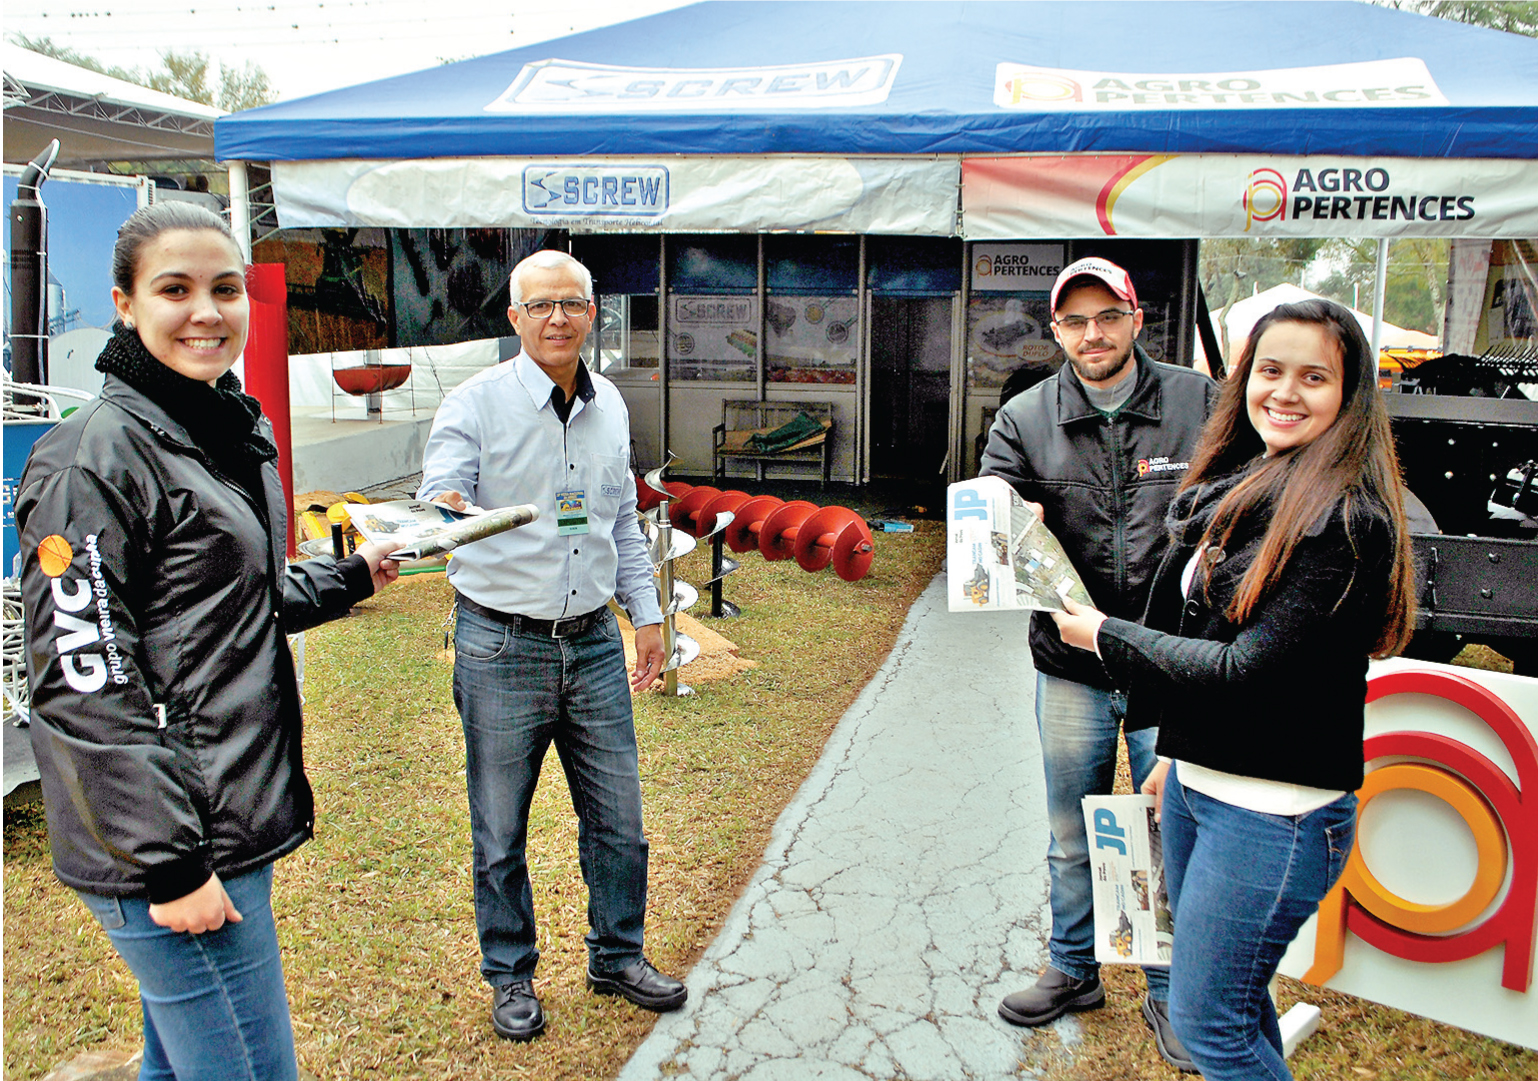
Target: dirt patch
(718, 659)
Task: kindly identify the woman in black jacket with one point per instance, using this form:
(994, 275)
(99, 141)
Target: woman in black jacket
(165, 711)
(1289, 568)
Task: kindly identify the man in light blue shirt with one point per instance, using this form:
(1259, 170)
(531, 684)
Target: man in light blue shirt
(537, 654)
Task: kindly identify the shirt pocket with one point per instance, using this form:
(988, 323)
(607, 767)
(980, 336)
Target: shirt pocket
(608, 485)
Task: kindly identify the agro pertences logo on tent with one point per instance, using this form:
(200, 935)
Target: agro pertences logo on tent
(1265, 197)
(1372, 84)
(565, 86)
(1322, 191)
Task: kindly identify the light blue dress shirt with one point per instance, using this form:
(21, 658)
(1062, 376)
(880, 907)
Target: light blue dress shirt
(497, 441)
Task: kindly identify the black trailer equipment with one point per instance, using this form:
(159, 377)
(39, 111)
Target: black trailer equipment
(1467, 436)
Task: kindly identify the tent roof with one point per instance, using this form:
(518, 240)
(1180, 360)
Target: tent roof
(95, 117)
(923, 77)
(1245, 313)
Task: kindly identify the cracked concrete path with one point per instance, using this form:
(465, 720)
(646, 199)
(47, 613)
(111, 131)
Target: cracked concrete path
(904, 891)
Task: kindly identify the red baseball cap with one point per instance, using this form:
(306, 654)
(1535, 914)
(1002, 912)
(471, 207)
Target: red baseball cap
(1115, 278)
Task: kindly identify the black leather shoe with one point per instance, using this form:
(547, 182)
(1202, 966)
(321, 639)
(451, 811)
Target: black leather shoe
(1171, 1050)
(641, 984)
(1055, 994)
(515, 1011)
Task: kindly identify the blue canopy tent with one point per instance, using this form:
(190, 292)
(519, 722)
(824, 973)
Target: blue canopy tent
(922, 84)
(1071, 122)
(932, 66)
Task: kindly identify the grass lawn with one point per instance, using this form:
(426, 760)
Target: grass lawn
(375, 916)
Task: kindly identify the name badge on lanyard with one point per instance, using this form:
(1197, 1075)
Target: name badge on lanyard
(570, 512)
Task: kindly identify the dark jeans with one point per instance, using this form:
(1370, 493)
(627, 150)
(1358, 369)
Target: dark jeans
(517, 692)
(214, 1004)
(1241, 885)
(1079, 726)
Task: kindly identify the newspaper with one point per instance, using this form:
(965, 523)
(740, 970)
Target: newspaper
(428, 529)
(1133, 924)
(999, 554)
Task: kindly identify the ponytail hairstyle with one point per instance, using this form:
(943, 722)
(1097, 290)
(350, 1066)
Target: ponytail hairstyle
(149, 222)
(1352, 463)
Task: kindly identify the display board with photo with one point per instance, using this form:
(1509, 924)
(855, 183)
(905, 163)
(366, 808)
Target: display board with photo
(712, 337)
(812, 339)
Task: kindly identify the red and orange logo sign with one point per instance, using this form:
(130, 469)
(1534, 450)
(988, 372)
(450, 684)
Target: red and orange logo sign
(1502, 816)
(1265, 197)
(1027, 85)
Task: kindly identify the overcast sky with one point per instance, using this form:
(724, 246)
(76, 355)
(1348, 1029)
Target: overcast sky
(309, 46)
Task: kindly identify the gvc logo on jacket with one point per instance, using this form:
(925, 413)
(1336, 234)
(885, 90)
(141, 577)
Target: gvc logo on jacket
(85, 670)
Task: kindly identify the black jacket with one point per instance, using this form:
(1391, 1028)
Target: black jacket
(1104, 485)
(1282, 696)
(165, 711)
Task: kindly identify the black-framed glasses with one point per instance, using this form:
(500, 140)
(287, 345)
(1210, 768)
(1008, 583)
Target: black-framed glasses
(543, 309)
(1109, 319)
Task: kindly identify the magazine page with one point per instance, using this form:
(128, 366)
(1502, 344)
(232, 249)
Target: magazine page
(427, 529)
(999, 554)
(1133, 924)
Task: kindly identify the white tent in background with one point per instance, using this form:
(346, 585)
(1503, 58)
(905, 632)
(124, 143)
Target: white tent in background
(95, 117)
(1247, 312)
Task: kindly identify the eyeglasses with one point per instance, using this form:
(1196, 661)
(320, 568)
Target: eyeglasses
(1109, 319)
(543, 309)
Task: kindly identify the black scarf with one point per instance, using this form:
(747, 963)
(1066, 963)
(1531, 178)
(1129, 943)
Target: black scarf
(1191, 512)
(221, 420)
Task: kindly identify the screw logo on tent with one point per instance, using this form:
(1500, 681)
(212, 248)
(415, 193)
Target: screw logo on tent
(640, 191)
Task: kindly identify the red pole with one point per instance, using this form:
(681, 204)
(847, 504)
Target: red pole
(267, 367)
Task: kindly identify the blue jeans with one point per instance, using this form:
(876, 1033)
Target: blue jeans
(214, 1004)
(1079, 725)
(1241, 884)
(517, 692)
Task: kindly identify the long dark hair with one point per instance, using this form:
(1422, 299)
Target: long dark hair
(147, 223)
(1352, 463)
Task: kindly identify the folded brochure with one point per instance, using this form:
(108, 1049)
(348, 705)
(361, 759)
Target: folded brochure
(1133, 924)
(427, 529)
(999, 555)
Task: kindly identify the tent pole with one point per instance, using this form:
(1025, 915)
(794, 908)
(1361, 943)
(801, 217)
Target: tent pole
(1379, 289)
(664, 395)
(240, 208)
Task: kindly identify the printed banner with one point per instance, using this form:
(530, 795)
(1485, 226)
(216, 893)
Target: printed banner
(712, 337)
(623, 195)
(576, 86)
(1207, 195)
(1371, 84)
(1016, 268)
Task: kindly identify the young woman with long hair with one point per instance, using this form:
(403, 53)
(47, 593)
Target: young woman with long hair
(1289, 568)
(165, 711)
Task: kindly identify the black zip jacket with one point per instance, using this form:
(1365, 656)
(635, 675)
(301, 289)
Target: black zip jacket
(1281, 697)
(1104, 484)
(165, 711)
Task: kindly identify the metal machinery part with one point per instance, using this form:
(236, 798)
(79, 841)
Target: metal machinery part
(1460, 445)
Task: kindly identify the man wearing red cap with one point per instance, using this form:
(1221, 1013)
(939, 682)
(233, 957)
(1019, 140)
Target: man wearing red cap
(1100, 447)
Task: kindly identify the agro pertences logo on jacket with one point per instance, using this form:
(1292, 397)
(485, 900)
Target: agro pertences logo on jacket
(1161, 464)
(86, 647)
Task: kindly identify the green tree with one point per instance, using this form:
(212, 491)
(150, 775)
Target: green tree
(1413, 288)
(1232, 268)
(1512, 17)
(184, 75)
(244, 88)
